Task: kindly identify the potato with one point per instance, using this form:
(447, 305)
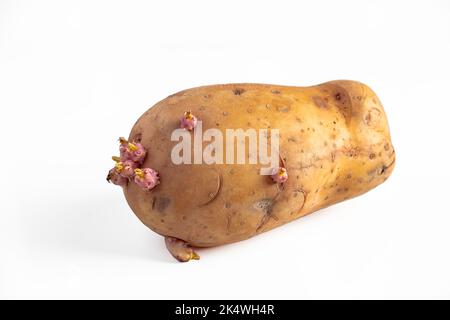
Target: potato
(334, 143)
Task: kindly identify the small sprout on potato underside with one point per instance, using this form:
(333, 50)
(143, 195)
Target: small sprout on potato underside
(180, 250)
(188, 121)
(146, 178)
(280, 175)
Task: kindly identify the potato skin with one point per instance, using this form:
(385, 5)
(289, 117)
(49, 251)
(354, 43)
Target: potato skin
(334, 138)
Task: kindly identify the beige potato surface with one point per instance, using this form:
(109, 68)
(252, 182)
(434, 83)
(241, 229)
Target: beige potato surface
(334, 143)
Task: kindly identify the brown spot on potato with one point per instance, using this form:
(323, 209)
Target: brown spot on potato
(372, 156)
(264, 205)
(137, 137)
(162, 203)
(276, 91)
(351, 152)
(319, 102)
(238, 91)
(343, 103)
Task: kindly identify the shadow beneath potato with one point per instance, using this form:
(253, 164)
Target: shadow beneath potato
(98, 224)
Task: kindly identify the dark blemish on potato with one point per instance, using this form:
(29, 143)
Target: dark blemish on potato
(283, 108)
(162, 203)
(183, 217)
(202, 108)
(137, 137)
(162, 220)
(320, 123)
(302, 130)
(372, 156)
(351, 152)
(207, 96)
(228, 205)
(292, 139)
(238, 91)
(386, 147)
(320, 102)
(348, 176)
(337, 96)
(217, 124)
(264, 205)
(276, 91)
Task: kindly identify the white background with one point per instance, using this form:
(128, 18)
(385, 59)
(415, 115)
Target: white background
(75, 75)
